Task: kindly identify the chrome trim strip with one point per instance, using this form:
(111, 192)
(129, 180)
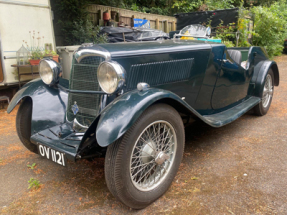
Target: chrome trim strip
(103, 102)
(76, 126)
(84, 52)
(79, 127)
(79, 91)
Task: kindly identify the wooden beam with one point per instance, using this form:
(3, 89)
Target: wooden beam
(173, 28)
(156, 24)
(166, 26)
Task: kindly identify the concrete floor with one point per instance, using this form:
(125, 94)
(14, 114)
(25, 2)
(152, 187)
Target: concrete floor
(236, 169)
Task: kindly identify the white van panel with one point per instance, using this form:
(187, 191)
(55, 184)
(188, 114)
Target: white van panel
(17, 18)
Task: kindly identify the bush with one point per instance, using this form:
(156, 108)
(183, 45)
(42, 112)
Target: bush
(270, 27)
(225, 33)
(86, 32)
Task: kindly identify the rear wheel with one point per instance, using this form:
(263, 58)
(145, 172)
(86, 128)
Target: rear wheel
(140, 167)
(23, 124)
(262, 108)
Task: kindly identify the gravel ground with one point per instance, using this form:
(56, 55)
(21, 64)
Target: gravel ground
(236, 169)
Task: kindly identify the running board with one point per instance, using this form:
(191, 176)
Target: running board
(228, 116)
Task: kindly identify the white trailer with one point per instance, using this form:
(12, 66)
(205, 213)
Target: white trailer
(17, 18)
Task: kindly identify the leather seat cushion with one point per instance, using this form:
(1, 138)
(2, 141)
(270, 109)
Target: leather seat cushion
(235, 55)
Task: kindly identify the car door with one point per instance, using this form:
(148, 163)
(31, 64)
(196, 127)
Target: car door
(231, 85)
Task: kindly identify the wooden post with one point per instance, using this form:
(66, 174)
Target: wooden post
(156, 24)
(118, 16)
(173, 26)
(166, 26)
(101, 19)
(109, 11)
(133, 17)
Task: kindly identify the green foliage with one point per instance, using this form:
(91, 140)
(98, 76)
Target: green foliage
(85, 32)
(155, 10)
(36, 54)
(187, 6)
(194, 178)
(31, 166)
(162, 7)
(134, 7)
(270, 27)
(50, 53)
(243, 28)
(34, 184)
(226, 34)
(75, 26)
(247, 3)
(67, 12)
(220, 4)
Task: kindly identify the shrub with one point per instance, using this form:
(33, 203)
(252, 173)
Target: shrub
(270, 27)
(226, 34)
(86, 32)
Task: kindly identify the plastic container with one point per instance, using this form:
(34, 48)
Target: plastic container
(210, 40)
(66, 55)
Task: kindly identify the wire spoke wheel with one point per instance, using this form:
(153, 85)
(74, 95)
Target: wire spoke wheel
(153, 155)
(267, 91)
(141, 165)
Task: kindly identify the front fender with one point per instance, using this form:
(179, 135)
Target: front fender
(122, 113)
(48, 104)
(261, 76)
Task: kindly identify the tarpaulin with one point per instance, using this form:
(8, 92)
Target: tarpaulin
(118, 34)
(143, 23)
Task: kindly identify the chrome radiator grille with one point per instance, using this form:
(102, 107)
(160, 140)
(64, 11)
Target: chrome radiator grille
(84, 77)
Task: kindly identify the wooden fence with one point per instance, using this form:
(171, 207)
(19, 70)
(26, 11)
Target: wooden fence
(119, 15)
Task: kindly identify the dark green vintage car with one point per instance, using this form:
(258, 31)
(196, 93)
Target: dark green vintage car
(130, 102)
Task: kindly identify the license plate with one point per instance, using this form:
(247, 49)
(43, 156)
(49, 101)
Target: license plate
(52, 154)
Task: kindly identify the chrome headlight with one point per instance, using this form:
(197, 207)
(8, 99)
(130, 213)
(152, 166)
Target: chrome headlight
(111, 76)
(50, 71)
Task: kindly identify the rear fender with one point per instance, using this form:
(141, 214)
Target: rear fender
(48, 104)
(123, 112)
(260, 73)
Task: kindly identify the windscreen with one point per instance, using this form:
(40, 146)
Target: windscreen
(194, 30)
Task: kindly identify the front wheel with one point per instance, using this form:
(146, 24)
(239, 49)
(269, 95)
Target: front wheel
(141, 165)
(23, 124)
(262, 108)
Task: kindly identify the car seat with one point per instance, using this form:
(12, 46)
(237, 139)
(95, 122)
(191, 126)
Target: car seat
(235, 55)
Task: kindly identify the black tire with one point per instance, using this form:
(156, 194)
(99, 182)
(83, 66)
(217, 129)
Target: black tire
(118, 158)
(23, 124)
(259, 109)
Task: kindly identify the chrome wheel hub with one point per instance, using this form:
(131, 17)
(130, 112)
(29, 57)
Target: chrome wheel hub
(267, 91)
(148, 152)
(153, 155)
(161, 158)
